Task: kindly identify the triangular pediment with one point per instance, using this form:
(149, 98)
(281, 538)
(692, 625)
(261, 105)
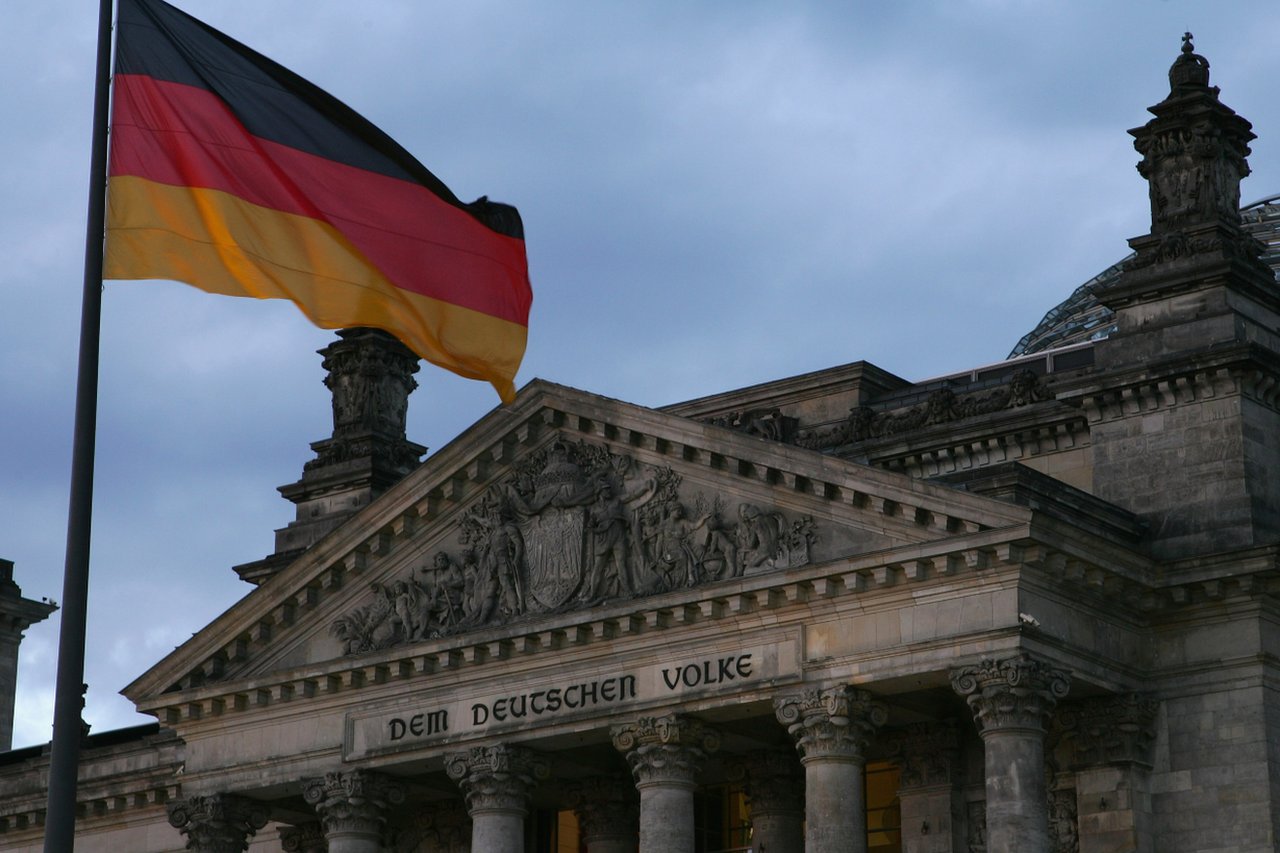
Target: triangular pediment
(563, 502)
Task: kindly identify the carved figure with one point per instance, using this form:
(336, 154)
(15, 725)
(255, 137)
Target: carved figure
(503, 557)
(443, 599)
(573, 525)
(757, 538)
(608, 575)
(480, 595)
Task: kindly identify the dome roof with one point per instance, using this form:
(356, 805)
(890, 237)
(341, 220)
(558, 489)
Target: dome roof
(1081, 317)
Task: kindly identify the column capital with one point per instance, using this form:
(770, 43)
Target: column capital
(606, 807)
(303, 838)
(926, 753)
(1111, 729)
(665, 750)
(354, 801)
(497, 778)
(832, 724)
(1017, 693)
(772, 779)
(218, 823)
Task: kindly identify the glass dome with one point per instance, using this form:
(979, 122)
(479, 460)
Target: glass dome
(1080, 317)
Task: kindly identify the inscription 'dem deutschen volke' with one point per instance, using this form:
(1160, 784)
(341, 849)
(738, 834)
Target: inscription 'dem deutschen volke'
(370, 733)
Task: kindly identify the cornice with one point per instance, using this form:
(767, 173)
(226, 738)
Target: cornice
(1247, 370)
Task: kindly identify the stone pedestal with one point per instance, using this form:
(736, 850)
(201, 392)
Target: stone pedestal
(353, 808)
(832, 729)
(218, 823)
(930, 801)
(1011, 702)
(666, 755)
(608, 814)
(496, 782)
(1112, 741)
(773, 781)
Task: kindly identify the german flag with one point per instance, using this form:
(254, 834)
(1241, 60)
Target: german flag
(233, 174)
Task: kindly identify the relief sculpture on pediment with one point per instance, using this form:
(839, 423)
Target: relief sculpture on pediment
(573, 526)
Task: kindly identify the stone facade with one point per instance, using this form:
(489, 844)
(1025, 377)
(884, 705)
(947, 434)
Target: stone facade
(1036, 600)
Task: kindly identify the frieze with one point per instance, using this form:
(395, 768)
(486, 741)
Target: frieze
(523, 705)
(769, 424)
(942, 406)
(572, 527)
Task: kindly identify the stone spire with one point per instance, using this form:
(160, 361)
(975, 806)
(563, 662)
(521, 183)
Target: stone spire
(370, 375)
(17, 614)
(1193, 157)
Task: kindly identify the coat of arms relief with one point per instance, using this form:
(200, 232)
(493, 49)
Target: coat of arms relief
(573, 526)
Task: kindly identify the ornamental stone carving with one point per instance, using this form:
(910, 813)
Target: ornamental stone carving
(832, 724)
(976, 813)
(945, 405)
(666, 750)
(1015, 693)
(1111, 730)
(305, 838)
(497, 778)
(370, 375)
(573, 526)
(442, 827)
(772, 779)
(354, 801)
(218, 823)
(1064, 832)
(926, 753)
(606, 807)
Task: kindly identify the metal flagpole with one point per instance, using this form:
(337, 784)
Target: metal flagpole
(60, 816)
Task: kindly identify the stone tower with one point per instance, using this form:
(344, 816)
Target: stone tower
(370, 375)
(1196, 344)
(17, 614)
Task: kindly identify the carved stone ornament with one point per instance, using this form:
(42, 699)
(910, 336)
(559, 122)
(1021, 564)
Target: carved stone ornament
(1111, 730)
(1064, 832)
(497, 778)
(305, 838)
(218, 823)
(772, 779)
(606, 806)
(573, 526)
(976, 813)
(835, 724)
(926, 753)
(1015, 693)
(443, 827)
(770, 424)
(353, 801)
(666, 750)
(944, 405)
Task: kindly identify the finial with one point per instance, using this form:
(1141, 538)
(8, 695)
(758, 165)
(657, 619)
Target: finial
(1190, 69)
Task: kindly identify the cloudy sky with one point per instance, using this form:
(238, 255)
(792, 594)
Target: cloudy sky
(714, 193)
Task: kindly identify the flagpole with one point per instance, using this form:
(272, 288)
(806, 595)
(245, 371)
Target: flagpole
(64, 760)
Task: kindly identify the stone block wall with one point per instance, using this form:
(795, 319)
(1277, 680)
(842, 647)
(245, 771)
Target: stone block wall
(1211, 788)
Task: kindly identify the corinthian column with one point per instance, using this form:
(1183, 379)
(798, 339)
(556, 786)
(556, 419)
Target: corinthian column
(218, 823)
(773, 781)
(608, 814)
(1011, 702)
(832, 729)
(496, 782)
(666, 755)
(353, 808)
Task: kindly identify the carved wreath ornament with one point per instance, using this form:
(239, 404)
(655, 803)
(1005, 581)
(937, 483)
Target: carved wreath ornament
(574, 526)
